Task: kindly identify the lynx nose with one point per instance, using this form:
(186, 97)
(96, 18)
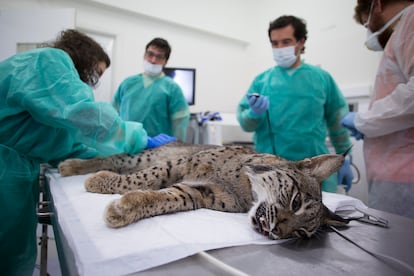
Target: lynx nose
(264, 227)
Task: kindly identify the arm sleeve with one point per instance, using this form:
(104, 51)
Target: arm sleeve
(61, 100)
(180, 128)
(392, 113)
(77, 151)
(336, 108)
(180, 116)
(116, 100)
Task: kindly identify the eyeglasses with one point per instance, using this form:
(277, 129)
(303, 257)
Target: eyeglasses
(150, 54)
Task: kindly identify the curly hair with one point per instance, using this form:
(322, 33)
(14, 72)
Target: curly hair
(363, 6)
(85, 53)
(298, 24)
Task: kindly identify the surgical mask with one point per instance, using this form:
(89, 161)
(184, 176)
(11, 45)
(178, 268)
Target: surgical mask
(285, 57)
(372, 41)
(152, 70)
(94, 80)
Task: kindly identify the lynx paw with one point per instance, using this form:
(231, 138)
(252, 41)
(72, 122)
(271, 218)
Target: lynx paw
(71, 167)
(101, 182)
(121, 212)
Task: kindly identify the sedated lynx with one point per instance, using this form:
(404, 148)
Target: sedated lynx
(284, 197)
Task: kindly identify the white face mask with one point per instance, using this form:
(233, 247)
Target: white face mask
(372, 41)
(152, 70)
(285, 57)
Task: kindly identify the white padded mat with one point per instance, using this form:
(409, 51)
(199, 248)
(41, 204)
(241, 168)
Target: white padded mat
(99, 250)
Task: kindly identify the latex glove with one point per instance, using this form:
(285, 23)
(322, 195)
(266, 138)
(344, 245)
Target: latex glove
(345, 175)
(159, 140)
(258, 104)
(348, 121)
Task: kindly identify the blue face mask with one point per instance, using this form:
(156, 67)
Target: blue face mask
(285, 57)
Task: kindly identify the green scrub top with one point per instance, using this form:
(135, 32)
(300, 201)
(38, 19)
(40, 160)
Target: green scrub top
(158, 103)
(47, 114)
(305, 105)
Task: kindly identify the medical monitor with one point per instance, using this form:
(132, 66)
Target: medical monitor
(185, 78)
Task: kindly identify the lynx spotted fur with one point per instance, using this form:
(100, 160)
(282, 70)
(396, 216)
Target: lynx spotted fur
(283, 198)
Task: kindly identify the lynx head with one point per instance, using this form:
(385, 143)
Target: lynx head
(288, 196)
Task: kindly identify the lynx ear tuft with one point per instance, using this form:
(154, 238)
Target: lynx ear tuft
(321, 166)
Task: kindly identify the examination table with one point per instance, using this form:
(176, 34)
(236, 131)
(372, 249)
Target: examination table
(226, 246)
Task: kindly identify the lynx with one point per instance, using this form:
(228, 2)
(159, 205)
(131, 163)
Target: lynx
(283, 198)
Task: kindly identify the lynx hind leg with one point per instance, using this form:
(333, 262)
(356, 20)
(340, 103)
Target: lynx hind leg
(156, 177)
(119, 163)
(76, 167)
(104, 182)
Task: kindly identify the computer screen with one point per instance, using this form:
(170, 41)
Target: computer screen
(185, 78)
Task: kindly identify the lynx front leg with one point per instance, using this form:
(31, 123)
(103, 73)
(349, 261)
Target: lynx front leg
(156, 177)
(105, 182)
(136, 205)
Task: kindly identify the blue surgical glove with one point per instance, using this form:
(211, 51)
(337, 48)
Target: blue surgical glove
(259, 104)
(348, 121)
(159, 140)
(345, 175)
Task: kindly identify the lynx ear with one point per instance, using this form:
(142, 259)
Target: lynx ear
(321, 166)
(330, 218)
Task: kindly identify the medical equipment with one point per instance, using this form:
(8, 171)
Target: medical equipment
(355, 213)
(205, 128)
(186, 79)
(203, 117)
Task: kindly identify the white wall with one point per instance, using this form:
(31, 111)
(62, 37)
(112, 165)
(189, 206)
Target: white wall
(226, 40)
(15, 28)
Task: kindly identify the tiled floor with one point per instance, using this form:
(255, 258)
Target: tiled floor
(53, 268)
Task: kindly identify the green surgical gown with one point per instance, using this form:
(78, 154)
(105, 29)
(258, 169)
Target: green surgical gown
(305, 105)
(47, 114)
(158, 103)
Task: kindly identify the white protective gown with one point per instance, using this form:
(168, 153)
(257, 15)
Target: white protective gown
(388, 125)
